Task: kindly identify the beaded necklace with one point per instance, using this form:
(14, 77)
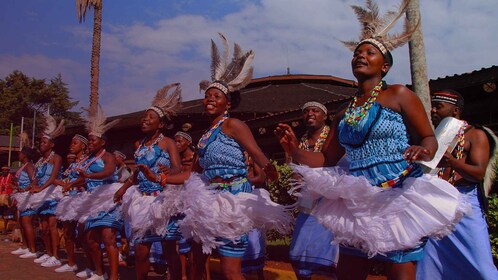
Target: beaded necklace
(140, 153)
(304, 145)
(43, 161)
(75, 166)
(459, 153)
(99, 156)
(353, 116)
(205, 137)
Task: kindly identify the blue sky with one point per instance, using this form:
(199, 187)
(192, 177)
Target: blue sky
(149, 43)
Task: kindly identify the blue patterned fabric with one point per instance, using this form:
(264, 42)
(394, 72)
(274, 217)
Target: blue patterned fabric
(151, 156)
(43, 173)
(73, 175)
(311, 251)
(464, 254)
(224, 157)
(374, 148)
(24, 181)
(254, 256)
(112, 218)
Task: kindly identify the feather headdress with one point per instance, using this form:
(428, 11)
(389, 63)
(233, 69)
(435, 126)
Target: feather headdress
(52, 130)
(167, 105)
(95, 124)
(375, 28)
(229, 76)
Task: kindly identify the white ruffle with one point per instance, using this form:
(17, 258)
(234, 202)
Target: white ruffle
(166, 205)
(99, 200)
(68, 206)
(378, 220)
(210, 214)
(27, 200)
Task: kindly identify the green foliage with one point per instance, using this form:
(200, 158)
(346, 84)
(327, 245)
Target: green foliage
(279, 193)
(492, 218)
(21, 96)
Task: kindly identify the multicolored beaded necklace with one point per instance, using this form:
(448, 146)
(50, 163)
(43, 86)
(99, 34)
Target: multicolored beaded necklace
(353, 116)
(43, 161)
(139, 153)
(205, 137)
(304, 144)
(95, 158)
(459, 153)
(75, 166)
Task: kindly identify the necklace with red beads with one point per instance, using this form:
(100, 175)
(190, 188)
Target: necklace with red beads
(353, 114)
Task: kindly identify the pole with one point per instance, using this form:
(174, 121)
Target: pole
(10, 142)
(20, 135)
(34, 126)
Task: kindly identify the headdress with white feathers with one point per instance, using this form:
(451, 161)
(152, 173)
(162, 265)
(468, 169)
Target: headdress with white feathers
(375, 28)
(95, 124)
(167, 105)
(229, 76)
(52, 130)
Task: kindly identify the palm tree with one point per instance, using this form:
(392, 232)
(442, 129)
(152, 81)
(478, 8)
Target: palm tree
(82, 6)
(418, 62)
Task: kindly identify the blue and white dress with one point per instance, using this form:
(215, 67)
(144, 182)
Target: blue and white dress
(390, 223)
(464, 254)
(23, 182)
(138, 200)
(43, 173)
(218, 205)
(67, 209)
(97, 209)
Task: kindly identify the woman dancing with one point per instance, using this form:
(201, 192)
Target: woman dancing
(152, 153)
(384, 206)
(65, 209)
(24, 176)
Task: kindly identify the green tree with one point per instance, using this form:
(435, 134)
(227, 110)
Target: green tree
(22, 96)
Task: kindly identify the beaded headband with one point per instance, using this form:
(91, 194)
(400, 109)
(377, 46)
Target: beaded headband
(81, 138)
(219, 86)
(157, 110)
(184, 135)
(448, 98)
(315, 104)
(119, 154)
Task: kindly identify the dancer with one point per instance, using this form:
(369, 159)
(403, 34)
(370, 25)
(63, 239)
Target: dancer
(24, 177)
(47, 171)
(100, 215)
(311, 249)
(154, 151)
(466, 253)
(384, 206)
(65, 209)
(6, 187)
(207, 199)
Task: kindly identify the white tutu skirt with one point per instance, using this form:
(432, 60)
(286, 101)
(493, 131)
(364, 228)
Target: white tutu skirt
(67, 208)
(146, 214)
(27, 200)
(377, 220)
(89, 205)
(211, 215)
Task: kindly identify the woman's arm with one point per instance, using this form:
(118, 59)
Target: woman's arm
(56, 161)
(109, 167)
(168, 145)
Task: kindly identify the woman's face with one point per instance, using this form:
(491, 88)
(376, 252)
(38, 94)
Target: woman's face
(151, 122)
(181, 143)
(45, 145)
(95, 144)
(368, 61)
(215, 102)
(76, 146)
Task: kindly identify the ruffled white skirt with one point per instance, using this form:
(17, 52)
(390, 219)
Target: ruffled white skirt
(211, 215)
(27, 200)
(377, 220)
(150, 214)
(89, 205)
(67, 208)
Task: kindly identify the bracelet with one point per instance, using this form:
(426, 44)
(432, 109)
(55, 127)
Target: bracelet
(163, 180)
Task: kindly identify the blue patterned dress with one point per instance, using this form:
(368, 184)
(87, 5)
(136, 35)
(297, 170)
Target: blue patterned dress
(43, 173)
(23, 182)
(152, 156)
(374, 148)
(112, 218)
(223, 157)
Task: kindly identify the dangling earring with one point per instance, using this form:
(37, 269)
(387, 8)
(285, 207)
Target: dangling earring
(226, 114)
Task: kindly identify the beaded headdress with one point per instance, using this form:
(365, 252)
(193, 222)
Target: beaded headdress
(448, 97)
(52, 130)
(184, 135)
(229, 76)
(95, 124)
(375, 28)
(315, 104)
(81, 138)
(119, 154)
(167, 105)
